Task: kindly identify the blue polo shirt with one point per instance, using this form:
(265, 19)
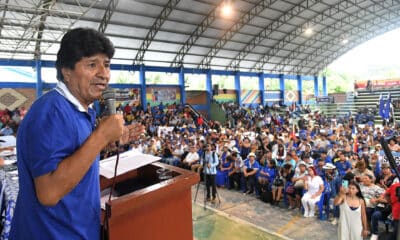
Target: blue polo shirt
(342, 167)
(53, 129)
(255, 164)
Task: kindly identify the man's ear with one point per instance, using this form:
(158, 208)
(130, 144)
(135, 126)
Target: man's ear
(66, 72)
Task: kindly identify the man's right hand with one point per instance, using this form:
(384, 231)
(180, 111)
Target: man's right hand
(112, 127)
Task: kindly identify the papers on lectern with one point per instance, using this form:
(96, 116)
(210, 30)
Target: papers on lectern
(128, 161)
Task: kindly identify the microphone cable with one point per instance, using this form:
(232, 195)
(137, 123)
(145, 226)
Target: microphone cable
(107, 214)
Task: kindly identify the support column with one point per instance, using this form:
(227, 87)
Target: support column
(282, 87)
(324, 87)
(316, 87)
(142, 80)
(300, 88)
(39, 82)
(182, 86)
(209, 93)
(237, 88)
(261, 87)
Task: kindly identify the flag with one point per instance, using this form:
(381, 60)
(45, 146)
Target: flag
(387, 106)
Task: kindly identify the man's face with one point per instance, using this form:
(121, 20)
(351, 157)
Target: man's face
(89, 78)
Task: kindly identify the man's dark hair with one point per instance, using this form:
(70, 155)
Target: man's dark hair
(79, 43)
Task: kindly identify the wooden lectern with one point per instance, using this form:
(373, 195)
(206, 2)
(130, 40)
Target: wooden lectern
(147, 208)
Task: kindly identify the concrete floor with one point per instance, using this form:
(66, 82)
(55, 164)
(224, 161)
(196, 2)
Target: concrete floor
(258, 220)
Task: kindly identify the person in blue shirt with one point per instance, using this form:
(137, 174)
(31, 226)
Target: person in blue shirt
(59, 145)
(209, 161)
(267, 173)
(250, 169)
(6, 130)
(343, 165)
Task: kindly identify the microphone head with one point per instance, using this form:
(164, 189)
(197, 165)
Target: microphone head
(109, 99)
(109, 93)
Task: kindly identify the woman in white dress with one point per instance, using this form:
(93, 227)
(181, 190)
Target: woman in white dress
(314, 186)
(353, 218)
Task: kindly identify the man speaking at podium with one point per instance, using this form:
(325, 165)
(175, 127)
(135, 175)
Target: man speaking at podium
(59, 145)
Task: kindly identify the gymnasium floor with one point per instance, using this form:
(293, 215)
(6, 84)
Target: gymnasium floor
(240, 216)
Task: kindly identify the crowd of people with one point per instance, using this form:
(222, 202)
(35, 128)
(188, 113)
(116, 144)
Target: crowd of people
(293, 162)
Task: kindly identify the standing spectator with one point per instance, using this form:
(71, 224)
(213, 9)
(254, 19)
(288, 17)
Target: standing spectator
(369, 86)
(353, 223)
(209, 161)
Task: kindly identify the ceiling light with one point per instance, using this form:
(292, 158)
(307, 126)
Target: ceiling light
(226, 9)
(308, 31)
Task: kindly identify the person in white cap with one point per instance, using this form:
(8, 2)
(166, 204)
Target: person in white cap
(332, 181)
(250, 169)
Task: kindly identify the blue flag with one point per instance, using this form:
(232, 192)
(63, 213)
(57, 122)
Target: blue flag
(387, 107)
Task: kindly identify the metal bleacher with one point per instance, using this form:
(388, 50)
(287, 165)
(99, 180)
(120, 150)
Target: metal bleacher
(364, 99)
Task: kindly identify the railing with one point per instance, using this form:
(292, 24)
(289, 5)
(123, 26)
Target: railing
(187, 105)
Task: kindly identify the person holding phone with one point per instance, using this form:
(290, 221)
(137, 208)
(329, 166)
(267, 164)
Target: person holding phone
(353, 223)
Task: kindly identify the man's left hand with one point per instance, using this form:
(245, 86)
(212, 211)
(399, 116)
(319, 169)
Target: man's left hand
(132, 132)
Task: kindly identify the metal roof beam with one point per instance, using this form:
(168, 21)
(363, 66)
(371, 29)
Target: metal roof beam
(357, 31)
(381, 23)
(243, 20)
(112, 5)
(178, 60)
(47, 4)
(315, 69)
(328, 13)
(153, 30)
(294, 11)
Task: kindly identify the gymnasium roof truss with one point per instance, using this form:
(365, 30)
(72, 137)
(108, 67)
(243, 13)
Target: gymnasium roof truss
(260, 36)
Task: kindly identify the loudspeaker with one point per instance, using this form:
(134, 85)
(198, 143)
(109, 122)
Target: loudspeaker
(215, 89)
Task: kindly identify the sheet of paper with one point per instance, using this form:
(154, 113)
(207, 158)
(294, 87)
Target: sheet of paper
(128, 161)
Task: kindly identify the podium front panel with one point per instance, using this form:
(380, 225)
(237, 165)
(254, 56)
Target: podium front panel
(152, 209)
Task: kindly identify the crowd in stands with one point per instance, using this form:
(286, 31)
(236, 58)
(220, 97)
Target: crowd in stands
(289, 156)
(273, 156)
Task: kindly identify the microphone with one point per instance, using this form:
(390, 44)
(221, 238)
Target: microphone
(109, 99)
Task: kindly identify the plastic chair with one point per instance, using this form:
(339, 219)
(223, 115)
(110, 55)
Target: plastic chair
(321, 207)
(285, 199)
(221, 178)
